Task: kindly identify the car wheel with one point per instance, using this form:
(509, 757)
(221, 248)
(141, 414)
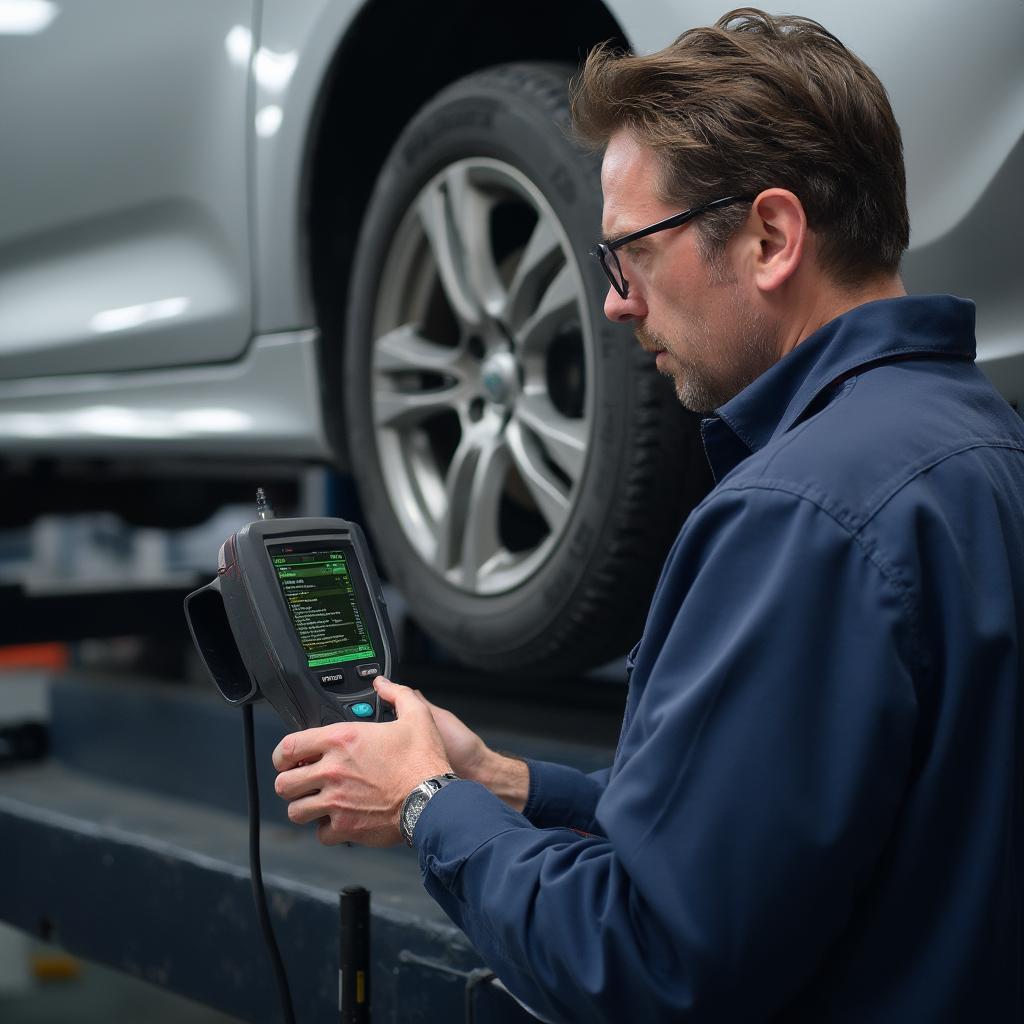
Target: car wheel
(521, 466)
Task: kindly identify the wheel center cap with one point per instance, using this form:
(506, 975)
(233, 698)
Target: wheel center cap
(499, 379)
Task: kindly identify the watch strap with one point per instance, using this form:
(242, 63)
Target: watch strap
(413, 804)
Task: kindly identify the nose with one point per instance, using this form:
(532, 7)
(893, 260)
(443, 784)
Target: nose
(620, 310)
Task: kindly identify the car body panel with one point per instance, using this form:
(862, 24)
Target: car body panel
(124, 239)
(256, 406)
(298, 42)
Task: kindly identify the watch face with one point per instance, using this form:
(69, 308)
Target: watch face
(413, 808)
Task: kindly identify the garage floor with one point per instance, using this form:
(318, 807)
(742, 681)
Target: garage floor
(72, 990)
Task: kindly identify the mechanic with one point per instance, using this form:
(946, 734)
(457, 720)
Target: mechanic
(815, 809)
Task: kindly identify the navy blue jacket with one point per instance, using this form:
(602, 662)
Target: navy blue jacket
(815, 811)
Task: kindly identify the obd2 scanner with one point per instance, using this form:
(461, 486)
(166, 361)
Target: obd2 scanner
(296, 615)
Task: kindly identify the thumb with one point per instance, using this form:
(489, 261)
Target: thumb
(403, 699)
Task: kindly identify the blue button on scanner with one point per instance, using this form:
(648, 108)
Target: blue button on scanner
(361, 710)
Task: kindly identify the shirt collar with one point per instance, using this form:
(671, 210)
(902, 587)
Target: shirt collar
(875, 332)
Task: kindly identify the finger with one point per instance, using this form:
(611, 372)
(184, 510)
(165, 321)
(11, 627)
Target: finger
(435, 709)
(300, 747)
(307, 809)
(404, 699)
(328, 834)
(426, 700)
(296, 782)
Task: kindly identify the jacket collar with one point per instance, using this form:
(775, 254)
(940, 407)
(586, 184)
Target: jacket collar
(876, 332)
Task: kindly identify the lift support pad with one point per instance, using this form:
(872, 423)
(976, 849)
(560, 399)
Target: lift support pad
(128, 846)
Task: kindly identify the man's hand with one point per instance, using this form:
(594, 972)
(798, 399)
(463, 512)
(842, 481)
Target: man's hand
(353, 776)
(466, 752)
(471, 758)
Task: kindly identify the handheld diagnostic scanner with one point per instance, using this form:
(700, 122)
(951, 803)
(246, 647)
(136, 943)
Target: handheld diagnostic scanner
(296, 615)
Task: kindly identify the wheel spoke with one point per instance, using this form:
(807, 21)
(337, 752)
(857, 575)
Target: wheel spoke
(546, 490)
(405, 349)
(399, 401)
(448, 255)
(451, 525)
(560, 299)
(456, 216)
(538, 259)
(467, 532)
(400, 410)
(481, 543)
(564, 439)
(470, 210)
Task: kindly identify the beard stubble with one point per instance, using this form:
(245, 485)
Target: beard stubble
(704, 381)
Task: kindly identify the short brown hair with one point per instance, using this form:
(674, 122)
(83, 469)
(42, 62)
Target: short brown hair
(756, 102)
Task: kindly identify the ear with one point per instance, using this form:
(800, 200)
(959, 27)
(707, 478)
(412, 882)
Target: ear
(779, 223)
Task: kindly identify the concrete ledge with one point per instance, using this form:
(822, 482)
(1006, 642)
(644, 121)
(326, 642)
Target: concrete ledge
(159, 888)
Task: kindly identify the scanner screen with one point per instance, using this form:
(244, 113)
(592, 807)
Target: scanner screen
(322, 603)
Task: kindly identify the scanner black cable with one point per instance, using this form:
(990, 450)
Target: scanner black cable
(256, 870)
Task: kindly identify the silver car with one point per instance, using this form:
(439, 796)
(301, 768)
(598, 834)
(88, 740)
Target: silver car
(356, 233)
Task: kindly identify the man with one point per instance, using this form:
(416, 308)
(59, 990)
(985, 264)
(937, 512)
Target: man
(815, 812)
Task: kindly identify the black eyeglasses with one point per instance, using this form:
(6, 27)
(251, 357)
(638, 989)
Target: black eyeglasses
(605, 251)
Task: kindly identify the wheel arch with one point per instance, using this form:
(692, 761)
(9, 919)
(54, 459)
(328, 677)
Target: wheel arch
(373, 58)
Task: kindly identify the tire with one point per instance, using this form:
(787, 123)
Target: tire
(521, 466)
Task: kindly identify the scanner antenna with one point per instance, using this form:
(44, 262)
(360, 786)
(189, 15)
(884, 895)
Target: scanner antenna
(263, 507)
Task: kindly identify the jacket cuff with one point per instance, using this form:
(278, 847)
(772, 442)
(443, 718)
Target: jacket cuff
(455, 823)
(561, 797)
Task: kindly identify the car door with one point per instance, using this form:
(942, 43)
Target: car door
(124, 237)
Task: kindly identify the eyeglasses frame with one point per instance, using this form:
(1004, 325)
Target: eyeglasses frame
(605, 250)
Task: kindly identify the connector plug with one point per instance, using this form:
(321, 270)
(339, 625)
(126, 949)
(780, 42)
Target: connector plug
(263, 507)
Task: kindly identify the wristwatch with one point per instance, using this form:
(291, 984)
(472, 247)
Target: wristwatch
(412, 806)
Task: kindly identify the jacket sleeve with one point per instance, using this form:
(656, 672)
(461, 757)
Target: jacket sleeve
(563, 796)
(757, 780)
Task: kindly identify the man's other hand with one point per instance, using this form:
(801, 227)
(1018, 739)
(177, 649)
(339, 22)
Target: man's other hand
(466, 752)
(471, 758)
(352, 777)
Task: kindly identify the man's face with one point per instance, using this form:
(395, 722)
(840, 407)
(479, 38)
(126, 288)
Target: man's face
(703, 322)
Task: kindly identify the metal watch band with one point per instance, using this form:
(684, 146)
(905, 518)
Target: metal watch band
(414, 803)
